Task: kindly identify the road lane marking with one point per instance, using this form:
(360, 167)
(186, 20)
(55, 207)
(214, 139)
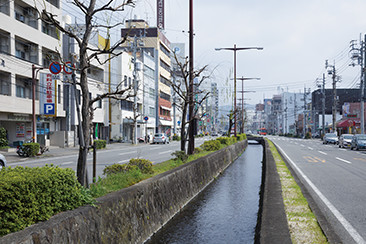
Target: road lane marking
(67, 163)
(322, 152)
(123, 161)
(341, 159)
(311, 159)
(302, 145)
(347, 226)
(361, 159)
(165, 152)
(310, 148)
(126, 153)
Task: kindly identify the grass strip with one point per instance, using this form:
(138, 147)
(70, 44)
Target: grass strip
(302, 222)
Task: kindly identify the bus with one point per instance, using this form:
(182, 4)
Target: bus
(263, 131)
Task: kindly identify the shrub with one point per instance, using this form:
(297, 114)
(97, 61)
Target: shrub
(308, 135)
(143, 164)
(118, 168)
(224, 140)
(3, 141)
(32, 149)
(180, 155)
(211, 145)
(31, 195)
(233, 140)
(241, 137)
(197, 150)
(100, 144)
(176, 138)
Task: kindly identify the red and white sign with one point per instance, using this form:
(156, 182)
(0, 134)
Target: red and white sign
(55, 68)
(68, 67)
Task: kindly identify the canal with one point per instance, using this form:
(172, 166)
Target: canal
(226, 211)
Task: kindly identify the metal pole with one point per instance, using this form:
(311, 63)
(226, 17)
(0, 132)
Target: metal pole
(191, 121)
(362, 86)
(34, 103)
(135, 91)
(334, 101)
(234, 90)
(242, 104)
(323, 105)
(94, 162)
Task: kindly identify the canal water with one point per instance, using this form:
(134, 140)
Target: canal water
(226, 211)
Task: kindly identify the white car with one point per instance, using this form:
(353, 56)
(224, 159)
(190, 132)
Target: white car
(2, 161)
(160, 138)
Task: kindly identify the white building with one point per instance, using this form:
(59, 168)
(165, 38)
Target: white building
(25, 40)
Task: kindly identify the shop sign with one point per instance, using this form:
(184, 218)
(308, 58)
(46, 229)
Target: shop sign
(47, 99)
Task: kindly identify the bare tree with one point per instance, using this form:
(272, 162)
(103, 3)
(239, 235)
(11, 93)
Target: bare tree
(181, 88)
(86, 55)
(231, 116)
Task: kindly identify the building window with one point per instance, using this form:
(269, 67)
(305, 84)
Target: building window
(55, 3)
(5, 83)
(99, 102)
(59, 94)
(5, 7)
(26, 15)
(152, 111)
(164, 65)
(48, 57)
(165, 80)
(23, 88)
(129, 81)
(78, 94)
(149, 72)
(26, 50)
(164, 96)
(164, 50)
(4, 42)
(50, 30)
(125, 80)
(127, 105)
(152, 93)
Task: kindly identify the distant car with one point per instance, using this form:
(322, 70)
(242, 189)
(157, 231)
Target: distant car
(160, 138)
(358, 142)
(330, 138)
(214, 134)
(2, 161)
(345, 140)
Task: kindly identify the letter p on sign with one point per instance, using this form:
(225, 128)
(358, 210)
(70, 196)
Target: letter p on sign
(49, 109)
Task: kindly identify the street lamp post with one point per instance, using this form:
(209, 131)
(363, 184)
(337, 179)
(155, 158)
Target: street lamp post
(236, 49)
(242, 98)
(34, 75)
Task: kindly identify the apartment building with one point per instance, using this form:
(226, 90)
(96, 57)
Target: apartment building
(152, 37)
(25, 40)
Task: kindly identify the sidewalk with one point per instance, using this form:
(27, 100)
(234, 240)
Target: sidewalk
(54, 151)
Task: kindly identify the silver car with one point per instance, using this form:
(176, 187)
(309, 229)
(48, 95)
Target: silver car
(160, 138)
(330, 138)
(345, 140)
(2, 161)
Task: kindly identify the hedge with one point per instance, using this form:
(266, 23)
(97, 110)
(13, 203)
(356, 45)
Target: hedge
(211, 145)
(100, 144)
(31, 149)
(144, 165)
(31, 195)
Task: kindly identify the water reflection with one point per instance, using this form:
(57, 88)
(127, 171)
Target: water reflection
(226, 212)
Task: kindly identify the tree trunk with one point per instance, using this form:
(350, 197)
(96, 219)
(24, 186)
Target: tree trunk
(183, 137)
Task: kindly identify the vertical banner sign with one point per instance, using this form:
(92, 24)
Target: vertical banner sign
(160, 14)
(47, 99)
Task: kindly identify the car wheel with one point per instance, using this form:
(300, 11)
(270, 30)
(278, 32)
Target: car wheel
(1, 164)
(357, 148)
(339, 145)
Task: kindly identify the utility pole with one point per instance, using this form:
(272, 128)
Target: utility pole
(190, 92)
(332, 72)
(304, 119)
(295, 111)
(286, 117)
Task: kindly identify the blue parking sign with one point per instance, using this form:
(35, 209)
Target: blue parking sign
(49, 109)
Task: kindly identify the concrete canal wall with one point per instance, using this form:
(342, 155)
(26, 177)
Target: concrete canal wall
(133, 214)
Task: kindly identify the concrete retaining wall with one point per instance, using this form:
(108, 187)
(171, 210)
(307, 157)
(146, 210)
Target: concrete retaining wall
(133, 214)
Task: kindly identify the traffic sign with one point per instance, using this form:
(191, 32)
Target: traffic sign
(68, 68)
(55, 68)
(146, 118)
(49, 109)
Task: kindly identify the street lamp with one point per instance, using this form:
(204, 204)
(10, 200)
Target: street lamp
(35, 71)
(242, 97)
(236, 49)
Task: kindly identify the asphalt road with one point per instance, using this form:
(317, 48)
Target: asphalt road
(336, 178)
(115, 153)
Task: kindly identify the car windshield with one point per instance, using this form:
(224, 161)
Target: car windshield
(331, 135)
(158, 135)
(361, 138)
(348, 137)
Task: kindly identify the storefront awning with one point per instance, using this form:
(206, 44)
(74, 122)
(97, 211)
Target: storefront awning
(348, 123)
(166, 108)
(165, 123)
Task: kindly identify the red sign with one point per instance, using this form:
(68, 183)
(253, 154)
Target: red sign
(68, 68)
(55, 68)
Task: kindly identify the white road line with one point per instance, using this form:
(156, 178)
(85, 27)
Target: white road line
(123, 161)
(302, 145)
(165, 152)
(126, 153)
(311, 148)
(341, 159)
(67, 163)
(347, 226)
(322, 152)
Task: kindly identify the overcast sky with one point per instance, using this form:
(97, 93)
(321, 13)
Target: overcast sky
(297, 37)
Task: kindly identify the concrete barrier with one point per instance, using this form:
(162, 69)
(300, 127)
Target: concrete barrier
(133, 214)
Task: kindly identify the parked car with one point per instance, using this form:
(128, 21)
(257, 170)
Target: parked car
(345, 140)
(330, 138)
(358, 141)
(2, 161)
(160, 138)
